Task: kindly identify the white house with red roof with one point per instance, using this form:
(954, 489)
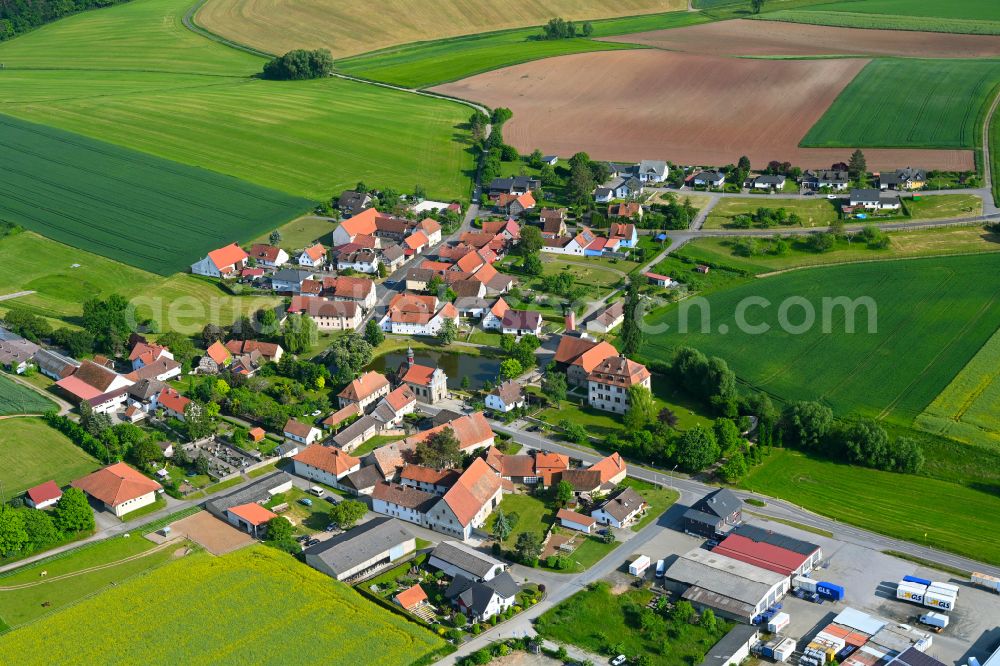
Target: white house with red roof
(172, 403)
(354, 289)
(609, 382)
(119, 488)
(415, 314)
(493, 318)
(43, 495)
(325, 464)
(225, 262)
(251, 518)
(468, 503)
(145, 353)
(313, 257)
(102, 388)
(215, 359)
(361, 224)
(297, 431)
(365, 390)
(268, 256)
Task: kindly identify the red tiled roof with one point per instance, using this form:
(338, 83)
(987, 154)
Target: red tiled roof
(656, 276)
(268, 253)
(574, 517)
(364, 386)
(477, 485)
(141, 349)
(418, 374)
(471, 430)
(316, 252)
(348, 287)
(499, 308)
(257, 434)
(254, 514)
(342, 415)
(78, 388)
(297, 428)
(521, 465)
(267, 349)
(412, 308)
(437, 266)
(438, 477)
(609, 467)
(619, 371)
(116, 484)
(218, 352)
(170, 399)
(416, 240)
(44, 492)
(400, 398)
(227, 256)
(327, 458)
(362, 223)
(411, 597)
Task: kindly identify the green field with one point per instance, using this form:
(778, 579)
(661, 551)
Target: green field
(302, 233)
(148, 212)
(533, 516)
(18, 399)
(24, 603)
(253, 605)
(910, 103)
(817, 212)
(902, 244)
(189, 99)
(967, 408)
(953, 517)
(34, 453)
(944, 206)
(602, 622)
(960, 16)
(932, 316)
(423, 64)
(68, 277)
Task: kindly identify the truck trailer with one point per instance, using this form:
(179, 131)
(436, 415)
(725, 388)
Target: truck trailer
(917, 580)
(940, 596)
(639, 565)
(991, 583)
(830, 591)
(778, 622)
(936, 620)
(803, 583)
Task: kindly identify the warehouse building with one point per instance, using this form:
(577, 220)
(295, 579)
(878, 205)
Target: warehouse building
(734, 647)
(732, 588)
(363, 551)
(770, 550)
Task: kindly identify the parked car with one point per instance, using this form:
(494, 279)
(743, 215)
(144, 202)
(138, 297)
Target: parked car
(661, 568)
(330, 499)
(306, 501)
(312, 542)
(619, 660)
(331, 527)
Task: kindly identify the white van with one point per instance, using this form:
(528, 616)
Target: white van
(661, 568)
(317, 491)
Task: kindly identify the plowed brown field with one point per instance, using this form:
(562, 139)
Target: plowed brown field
(743, 37)
(690, 109)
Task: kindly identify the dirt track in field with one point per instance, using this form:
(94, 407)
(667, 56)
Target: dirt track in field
(690, 109)
(760, 38)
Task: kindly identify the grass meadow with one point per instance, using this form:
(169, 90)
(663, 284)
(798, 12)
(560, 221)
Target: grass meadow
(909, 103)
(932, 316)
(18, 399)
(816, 212)
(902, 244)
(245, 607)
(959, 16)
(951, 517)
(132, 75)
(34, 453)
(966, 409)
(424, 64)
(145, 211)
(69, 276)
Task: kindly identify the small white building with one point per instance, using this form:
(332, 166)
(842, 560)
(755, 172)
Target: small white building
(455, 558)
(300, 432)
(576, 521)
(313, 256)
(43, 495)
(505, 397)
(621, 509)
(224, 262)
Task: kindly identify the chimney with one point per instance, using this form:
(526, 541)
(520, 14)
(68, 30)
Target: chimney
(570, 321)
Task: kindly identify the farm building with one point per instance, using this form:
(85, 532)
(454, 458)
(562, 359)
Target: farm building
(119, 488)
(402, 502)
(250, 517)
(54, 365)
(43, 495)
(363, 551)
(363, 481)
(715, 513)
(659, 280)
(259, 491)
(455, 558)
(734, 647)
(732, 588)
(770, 550)
(576, 521)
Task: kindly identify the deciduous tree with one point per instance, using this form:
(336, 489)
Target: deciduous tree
(72, 513)
(439, 450)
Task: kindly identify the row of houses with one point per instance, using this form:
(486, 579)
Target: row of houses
(588, 243)
(837, 180)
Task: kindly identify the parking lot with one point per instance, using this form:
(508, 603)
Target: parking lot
(869, 578)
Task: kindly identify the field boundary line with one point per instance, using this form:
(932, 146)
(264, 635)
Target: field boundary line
(99, 567)
(869, 261)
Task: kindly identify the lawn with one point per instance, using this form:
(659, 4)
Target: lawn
(189, 99)
(893, 504)
(302, 232)
(602, 622)
(533, 515)
(96, 196)
(19, 399)
(960, 16)
(918, 243)
(205, 603)
(659, 499)
(373, 443)
(943, 206)
(34, 453)
(69, 276)
(25, 604)
(818, 212)
(930, 316)
(966, 409)
(307, 519)
(910, 103)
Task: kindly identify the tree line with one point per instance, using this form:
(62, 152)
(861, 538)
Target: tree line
(559, 28)
(20, 16)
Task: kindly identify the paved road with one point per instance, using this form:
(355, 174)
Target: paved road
(16, 294)
(691, 490)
